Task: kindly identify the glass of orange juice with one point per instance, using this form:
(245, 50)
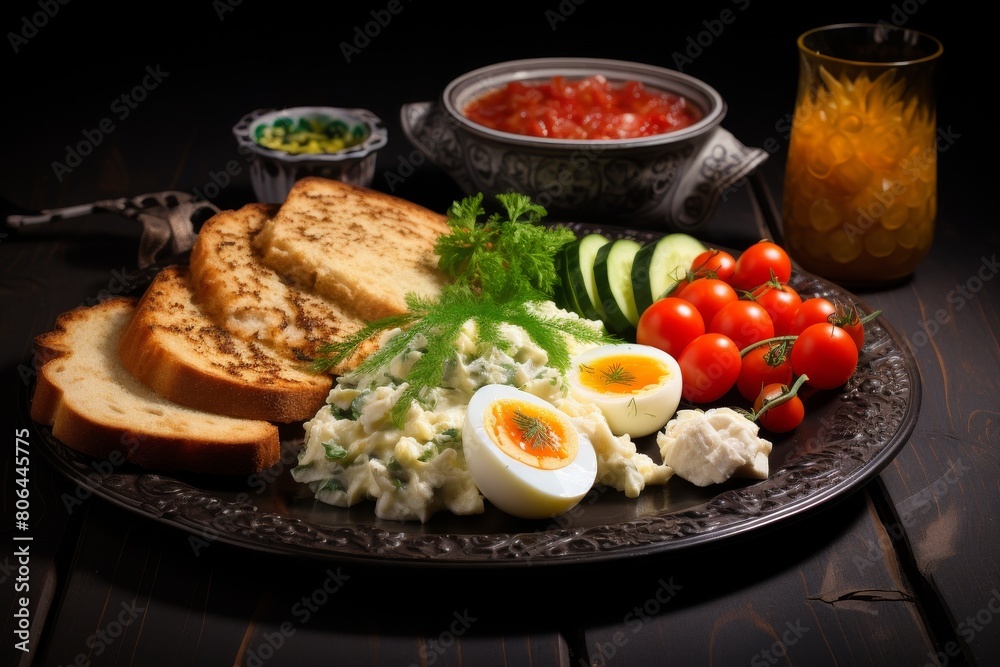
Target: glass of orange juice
(860, 190)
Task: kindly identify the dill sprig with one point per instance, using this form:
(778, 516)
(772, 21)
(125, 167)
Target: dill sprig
(618, 374)
(500, 270)
(534, 432)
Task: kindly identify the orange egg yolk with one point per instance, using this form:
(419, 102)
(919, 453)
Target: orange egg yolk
(531, 434)
(625, 374)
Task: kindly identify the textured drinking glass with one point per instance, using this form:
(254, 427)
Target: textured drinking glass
(860, 190)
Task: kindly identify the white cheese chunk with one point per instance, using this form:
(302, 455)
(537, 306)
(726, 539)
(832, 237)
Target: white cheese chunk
(711, 446)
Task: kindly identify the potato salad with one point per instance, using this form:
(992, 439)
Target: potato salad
(353, 453)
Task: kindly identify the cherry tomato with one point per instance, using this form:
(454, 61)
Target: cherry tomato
(815, 310)
(764, 365)
(714, 263)
(849, 319)
(783, 416)
(675, 288)
(761, 262)
(708, 295)
(710, 365)
(744, 322)
(669, 324)
(780, 301)
(826, 354)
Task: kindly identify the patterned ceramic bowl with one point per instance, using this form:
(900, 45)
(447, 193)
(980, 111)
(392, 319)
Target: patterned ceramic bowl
(667, 180)
(288, 144)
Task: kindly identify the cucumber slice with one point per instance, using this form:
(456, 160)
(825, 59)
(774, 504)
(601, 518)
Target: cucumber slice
(563, 294)
(661, 263)
(613, 278)
(579, 257)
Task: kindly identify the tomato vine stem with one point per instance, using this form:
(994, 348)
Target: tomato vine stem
(790, 338)
(870, 316)
(786, 395)
(766, 341)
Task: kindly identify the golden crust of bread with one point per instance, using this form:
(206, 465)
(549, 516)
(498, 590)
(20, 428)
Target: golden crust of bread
(354, 245)
(253, 301)
(95, 406)
(191, 376)
(172, 346)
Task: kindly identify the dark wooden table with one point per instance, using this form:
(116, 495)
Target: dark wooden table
(904, 571)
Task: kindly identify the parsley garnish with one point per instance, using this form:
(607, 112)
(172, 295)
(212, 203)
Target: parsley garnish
(499, 269)
(503, 255)
(338, 413)
(332, 484)
(398, 475)
(334, 452)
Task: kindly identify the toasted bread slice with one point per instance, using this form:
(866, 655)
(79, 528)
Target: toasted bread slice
(185, 356)
(97, 407)
(354, 245)
(250, 299)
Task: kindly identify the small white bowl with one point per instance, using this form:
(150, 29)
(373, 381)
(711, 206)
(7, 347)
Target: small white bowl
(274, 171)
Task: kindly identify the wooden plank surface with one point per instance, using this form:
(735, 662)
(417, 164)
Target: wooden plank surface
(823, 591)
(141, 593)
(945, 484)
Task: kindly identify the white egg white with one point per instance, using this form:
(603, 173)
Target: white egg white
(515, 487)
(640, 413)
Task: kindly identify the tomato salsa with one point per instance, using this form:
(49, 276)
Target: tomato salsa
(588, 108)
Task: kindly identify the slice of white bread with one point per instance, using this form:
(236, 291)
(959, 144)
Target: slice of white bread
(354, 245)
(253, 301)
(181, 353)
(95, 406)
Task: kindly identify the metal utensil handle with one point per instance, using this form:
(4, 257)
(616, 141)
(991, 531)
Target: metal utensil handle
(124, 205)
(49, 215)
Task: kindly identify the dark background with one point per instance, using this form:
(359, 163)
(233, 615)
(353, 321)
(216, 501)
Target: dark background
(225, 58)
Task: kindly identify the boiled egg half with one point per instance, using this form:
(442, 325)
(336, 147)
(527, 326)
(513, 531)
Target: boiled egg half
(637, 387)
(524, 454)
